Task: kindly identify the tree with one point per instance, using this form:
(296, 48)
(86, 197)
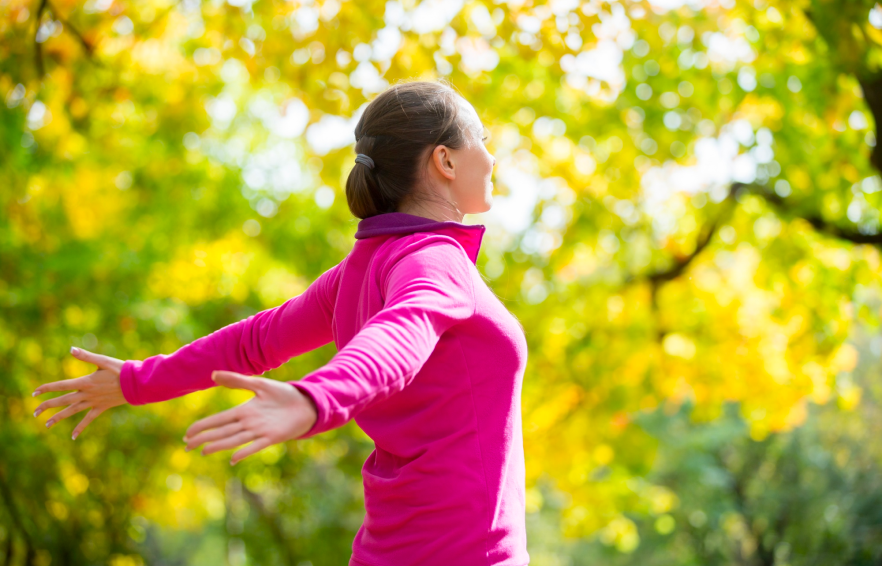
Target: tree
(688, 214)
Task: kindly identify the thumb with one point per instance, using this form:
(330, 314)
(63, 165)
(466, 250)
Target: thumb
(103, 362)
(234, 380)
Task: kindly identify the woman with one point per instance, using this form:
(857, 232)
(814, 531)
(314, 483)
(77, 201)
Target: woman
(429, 362)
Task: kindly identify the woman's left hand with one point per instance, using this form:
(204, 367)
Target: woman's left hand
(278, 412)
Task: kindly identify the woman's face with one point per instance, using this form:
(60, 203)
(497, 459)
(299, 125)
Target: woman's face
(472, 189)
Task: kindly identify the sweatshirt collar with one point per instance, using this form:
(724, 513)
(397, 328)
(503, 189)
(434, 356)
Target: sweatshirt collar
(469, 236)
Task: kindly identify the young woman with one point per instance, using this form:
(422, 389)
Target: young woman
(429, 362)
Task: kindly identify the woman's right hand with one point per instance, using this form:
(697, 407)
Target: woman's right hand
(98, 391)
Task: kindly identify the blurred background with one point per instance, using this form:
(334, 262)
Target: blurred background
(687, 224)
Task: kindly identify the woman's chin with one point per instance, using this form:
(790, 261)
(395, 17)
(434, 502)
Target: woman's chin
(488, 204)
(478, 207)
(488, 199)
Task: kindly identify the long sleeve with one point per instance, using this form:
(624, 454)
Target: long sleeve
(252, 346)
(427, 291)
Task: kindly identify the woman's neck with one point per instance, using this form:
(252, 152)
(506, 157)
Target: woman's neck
(440, 211)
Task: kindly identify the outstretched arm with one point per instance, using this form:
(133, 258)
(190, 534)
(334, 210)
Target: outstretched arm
(252, 346)
(426, 292)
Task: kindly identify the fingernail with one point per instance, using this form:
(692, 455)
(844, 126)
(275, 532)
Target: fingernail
(34, 394)
(48, 424)
(73, 437)
(37, 412)
(232, 462)
(74, 350)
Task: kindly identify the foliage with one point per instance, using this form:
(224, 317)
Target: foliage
(715, 496)
(685, 188)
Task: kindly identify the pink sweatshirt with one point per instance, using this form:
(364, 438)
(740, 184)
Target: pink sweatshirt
(429, 364)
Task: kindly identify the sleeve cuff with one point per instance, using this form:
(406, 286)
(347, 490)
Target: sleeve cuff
(323, 409)
(128, 383)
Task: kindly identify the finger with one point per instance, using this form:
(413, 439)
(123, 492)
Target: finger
(67, 399)
(63, 385)
(103, 362)
(213, 434)
(90, 416)
(230, 442)
(235, 380)
(252, 448)
(214, 421)
(61, 415)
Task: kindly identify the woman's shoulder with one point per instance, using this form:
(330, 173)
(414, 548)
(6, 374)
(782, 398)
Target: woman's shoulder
(428, 256)
(420, 247)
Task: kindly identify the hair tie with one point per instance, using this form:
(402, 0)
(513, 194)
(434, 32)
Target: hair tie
(364, 160)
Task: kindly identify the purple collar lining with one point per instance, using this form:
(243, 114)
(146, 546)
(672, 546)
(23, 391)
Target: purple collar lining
(468, 235)
(403, 223)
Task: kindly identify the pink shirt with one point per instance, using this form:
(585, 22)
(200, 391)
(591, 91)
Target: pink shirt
(429, 364)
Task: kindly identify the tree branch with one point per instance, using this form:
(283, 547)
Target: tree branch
(816, 220)
(781, 206)
(66, 23)
(872, 89)
(38, 47)
(681, 264)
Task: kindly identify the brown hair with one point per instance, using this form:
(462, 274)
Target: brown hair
(397, 131)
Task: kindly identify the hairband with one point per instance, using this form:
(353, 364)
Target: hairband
(364, 160)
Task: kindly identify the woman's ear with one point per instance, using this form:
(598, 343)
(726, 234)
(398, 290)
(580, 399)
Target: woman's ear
(442, 159)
